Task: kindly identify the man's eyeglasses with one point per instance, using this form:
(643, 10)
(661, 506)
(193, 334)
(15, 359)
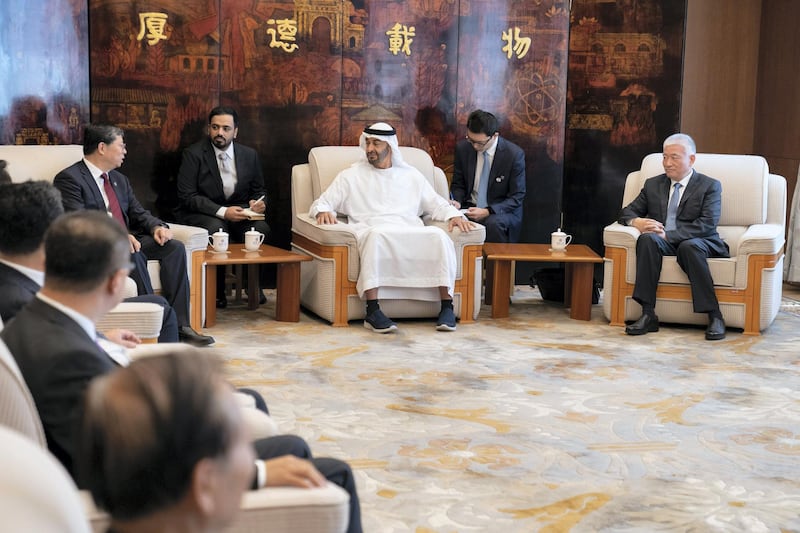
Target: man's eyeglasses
(479, 144)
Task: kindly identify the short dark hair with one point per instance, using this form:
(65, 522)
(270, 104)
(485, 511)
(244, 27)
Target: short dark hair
(5, 177)
(94, 134)
(145, 427)
(224, 110)
(480, 121)
(26, 211)
(82, 249)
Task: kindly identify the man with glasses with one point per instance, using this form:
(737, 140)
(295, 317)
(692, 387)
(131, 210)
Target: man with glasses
(489, 179)
(94, 183)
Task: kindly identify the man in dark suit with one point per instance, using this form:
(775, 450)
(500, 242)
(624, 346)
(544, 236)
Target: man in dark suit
(55, 344)
(94, 183)
(489, 179)
(26, 211)
(677, 214)
(217, 180)
(53, 338)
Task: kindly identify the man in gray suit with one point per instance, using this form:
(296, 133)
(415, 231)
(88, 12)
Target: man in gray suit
(677, 214)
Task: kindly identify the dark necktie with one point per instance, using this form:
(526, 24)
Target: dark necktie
(113, 203)
(672, 208)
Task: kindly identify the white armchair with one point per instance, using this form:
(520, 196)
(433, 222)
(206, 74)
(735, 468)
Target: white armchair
(752, 222)
(43, 162)
(328, 283)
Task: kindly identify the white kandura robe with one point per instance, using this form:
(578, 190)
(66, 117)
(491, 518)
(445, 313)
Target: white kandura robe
(399, 255)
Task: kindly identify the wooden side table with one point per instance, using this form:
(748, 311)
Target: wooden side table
(287, 305)
(578, 260)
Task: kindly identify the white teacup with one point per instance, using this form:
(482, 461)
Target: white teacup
(559, 240)
(252, 240)
(219, 241)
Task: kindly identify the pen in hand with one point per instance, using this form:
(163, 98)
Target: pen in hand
(262, 197)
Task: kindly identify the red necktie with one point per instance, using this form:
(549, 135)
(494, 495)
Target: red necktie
(113, 203)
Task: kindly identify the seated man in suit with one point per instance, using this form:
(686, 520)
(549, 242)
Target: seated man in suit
(58, 351)
(384, 197)
(677, 214)
(217, 180)
(94, 183)
(154, 482)
(26, 211)
(489, 179)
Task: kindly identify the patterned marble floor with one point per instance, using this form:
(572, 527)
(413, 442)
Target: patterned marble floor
(538, 422)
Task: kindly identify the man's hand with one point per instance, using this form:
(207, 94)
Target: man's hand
(455, 204)
(326, 217)
(123, 337)
(258, 206)
(461, 223)
(235, 213)
(648, 225)
(135, 244)
(291, 471)
(162, 235)
(477, 213)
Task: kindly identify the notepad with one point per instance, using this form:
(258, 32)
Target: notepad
(252, 215)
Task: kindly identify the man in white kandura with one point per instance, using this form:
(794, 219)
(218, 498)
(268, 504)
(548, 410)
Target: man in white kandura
(384, 198)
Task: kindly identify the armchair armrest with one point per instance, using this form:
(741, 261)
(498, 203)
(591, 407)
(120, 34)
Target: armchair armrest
(340, 234)
(318, 510)
(476, 236)
(192, 237)
(762, 239)
(620, 236)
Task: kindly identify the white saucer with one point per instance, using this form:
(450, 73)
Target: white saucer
(556, 251)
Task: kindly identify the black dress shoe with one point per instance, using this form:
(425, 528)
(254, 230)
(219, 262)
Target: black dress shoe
(222, 302)
(645, 324)
(715, 330)
(187, 334)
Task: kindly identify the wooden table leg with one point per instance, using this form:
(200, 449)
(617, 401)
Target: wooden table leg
(580, 280)
(287, 304)
(211, 300)
(501, 288)
(252, 287)
(196, 291)
(486, 283)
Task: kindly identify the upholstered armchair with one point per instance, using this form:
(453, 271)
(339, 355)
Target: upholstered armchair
(37, 162)
(752, 223)
(275, 509)
(328, 283)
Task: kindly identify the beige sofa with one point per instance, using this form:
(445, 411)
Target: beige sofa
(43, 162)
(328, 283)
(752, 222)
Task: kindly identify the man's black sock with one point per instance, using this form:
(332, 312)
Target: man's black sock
(372, 306)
